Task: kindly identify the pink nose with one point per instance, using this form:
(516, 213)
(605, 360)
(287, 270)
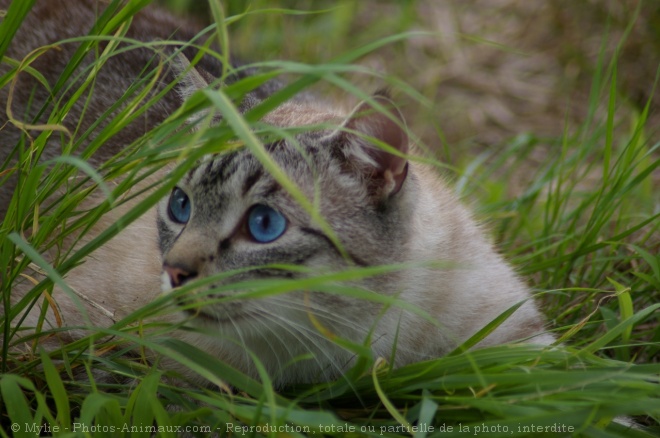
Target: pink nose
(178, 275)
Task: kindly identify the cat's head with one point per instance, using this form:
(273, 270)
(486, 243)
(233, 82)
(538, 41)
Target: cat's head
(231, 215)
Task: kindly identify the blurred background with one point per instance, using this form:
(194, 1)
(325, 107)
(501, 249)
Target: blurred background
(493, 69)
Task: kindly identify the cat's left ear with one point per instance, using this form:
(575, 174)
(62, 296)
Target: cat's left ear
(195, 78)
(376, 136)
(192, 78)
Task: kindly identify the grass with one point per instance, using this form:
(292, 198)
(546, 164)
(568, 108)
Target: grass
(581, 222)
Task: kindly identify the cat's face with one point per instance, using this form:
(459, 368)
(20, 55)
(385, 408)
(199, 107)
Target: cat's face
(229, 214)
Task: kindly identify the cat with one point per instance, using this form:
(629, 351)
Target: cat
(372, 206)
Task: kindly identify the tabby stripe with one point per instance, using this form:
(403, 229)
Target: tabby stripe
(270, 190)
(274, 146)
(311, 231)
(251, 180)
(227, 170)
(209, 167)
(270, 273)
(223, 169)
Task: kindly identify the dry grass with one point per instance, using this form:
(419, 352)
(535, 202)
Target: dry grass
(509, 66)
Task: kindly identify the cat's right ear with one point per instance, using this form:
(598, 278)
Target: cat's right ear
(375, 140)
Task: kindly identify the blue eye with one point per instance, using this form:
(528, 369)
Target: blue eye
(265, 224)
(179, 206)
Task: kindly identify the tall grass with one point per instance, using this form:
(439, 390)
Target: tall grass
(584, 229)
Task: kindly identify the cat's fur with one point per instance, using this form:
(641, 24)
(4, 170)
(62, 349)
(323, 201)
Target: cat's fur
(383, 208)
(52, 21)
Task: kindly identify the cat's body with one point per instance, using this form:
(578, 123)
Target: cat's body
(229, 213)
(52, 21)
